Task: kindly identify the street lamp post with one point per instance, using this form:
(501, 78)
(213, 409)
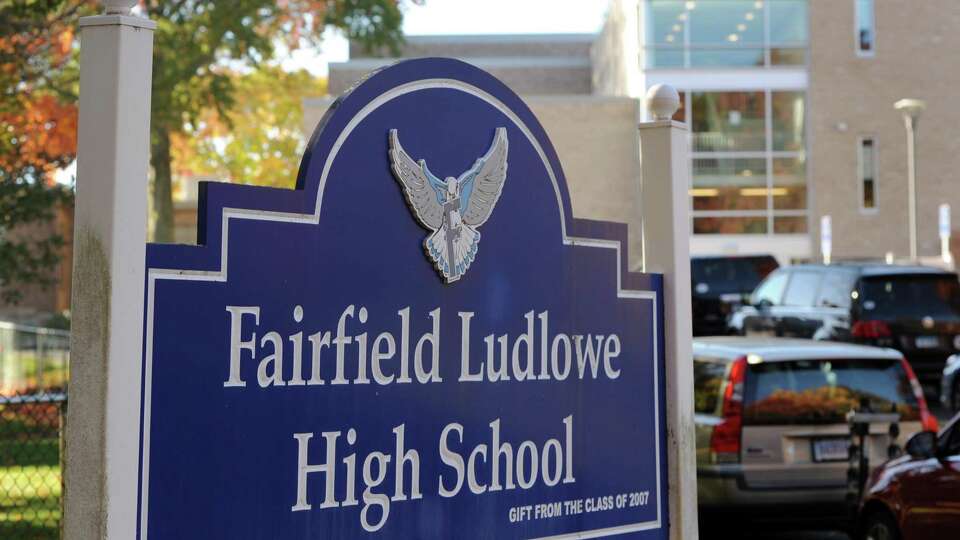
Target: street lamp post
(911, 109)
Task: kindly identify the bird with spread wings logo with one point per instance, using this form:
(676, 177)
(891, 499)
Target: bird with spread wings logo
(453, 208)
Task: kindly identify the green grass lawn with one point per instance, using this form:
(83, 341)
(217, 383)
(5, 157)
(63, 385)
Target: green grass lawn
(29, 482)
(30, 502)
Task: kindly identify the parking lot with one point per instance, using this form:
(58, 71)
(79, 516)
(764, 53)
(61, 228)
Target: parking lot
(942, 416)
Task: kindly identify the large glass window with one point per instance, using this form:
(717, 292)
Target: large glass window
(729, 184)
(788, 32)
(728, 121)
(749, 173)
(725, 33)
(789, 190)
(788, 120)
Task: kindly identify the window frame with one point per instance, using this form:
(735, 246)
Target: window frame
(768, 154)
(857, 16)
(861, 178)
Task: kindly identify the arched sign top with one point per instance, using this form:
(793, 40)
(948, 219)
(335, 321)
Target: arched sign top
(338, 123)
(409, 76)
(419, 341)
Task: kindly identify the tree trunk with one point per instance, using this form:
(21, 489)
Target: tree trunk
(162, 190)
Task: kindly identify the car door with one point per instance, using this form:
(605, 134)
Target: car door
(932, 492)
(760, 318)
(796, 316)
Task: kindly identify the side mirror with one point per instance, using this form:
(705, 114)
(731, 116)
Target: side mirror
(763, 305)
(923, 445)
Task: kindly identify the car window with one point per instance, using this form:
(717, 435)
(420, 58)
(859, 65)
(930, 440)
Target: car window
(733, 273)
(910, 295)
(708, 377)
(802, 289)
(951, 443)
(835, 289)
(771, 290)
(823, 391)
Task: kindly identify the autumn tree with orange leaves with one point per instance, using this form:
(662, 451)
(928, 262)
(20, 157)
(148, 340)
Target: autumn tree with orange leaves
(259, 140)
(196, 40)
(194, 43)
(38, 126)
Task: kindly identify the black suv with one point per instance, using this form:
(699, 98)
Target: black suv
(720, 285)
(914, 309)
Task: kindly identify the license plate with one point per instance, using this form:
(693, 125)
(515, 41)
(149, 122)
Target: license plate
(835, 449)
(928, 342)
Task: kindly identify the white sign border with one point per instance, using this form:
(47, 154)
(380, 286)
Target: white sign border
(154, 274)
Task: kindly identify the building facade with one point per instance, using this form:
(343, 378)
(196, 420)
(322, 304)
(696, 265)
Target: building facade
(789, 105)
(864, 56)
(742, 70)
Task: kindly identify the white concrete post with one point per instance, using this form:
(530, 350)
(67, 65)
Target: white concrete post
(665, 165)
(103, 418)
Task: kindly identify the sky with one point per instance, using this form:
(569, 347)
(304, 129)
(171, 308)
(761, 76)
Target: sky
(471, 17)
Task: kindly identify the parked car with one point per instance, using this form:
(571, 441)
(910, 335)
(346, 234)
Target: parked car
(721, 284)
(950, 384)
(771, 431)
(917, 496)
(914, 309)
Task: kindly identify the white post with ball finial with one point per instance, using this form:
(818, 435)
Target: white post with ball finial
(665, 181)
(103, 420)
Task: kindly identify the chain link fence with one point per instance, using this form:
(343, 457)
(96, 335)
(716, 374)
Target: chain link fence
(34, 370)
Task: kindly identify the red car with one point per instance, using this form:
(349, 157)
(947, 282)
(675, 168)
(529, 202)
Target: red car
(916, 496)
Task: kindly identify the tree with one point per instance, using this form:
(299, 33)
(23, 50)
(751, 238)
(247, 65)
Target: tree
(38, 121)
(195, 42)
(196, 39)
(259, 139)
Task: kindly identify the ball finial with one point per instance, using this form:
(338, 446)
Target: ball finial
(119, 7)
(662, 101)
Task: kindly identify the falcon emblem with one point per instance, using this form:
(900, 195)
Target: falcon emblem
(453, 208)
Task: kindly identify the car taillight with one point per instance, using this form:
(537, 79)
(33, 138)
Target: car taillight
(725, 439)
(870, 329)
(927, 420)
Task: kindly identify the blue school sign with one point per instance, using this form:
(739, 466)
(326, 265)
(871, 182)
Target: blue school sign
(420, 341)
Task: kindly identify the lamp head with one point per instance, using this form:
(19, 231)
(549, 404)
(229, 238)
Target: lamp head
(910, 107)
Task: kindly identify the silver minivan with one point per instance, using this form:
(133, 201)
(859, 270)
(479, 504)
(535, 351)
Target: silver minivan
(771, 429)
